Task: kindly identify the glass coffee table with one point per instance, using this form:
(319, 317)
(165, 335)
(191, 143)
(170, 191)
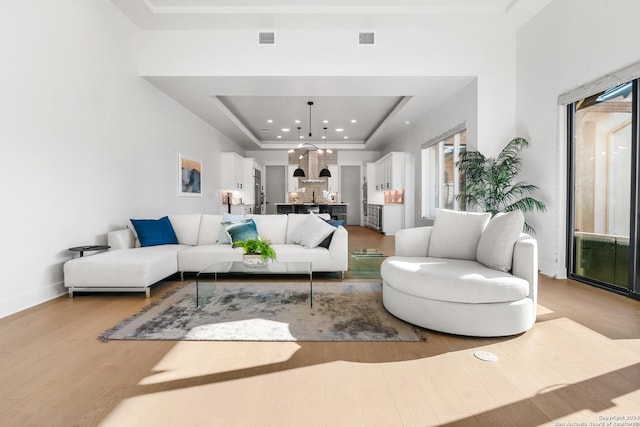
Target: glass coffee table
(239, 268)
(365, 263)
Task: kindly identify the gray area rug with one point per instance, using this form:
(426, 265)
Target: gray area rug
(236, 311)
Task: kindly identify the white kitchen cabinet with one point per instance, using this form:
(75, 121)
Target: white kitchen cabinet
(373, 196)
(243, 209)
(379, 175)
(234, 172)
(392, 219)
(238, 176)
(390, 172)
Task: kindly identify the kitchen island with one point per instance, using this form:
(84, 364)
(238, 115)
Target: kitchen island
(337, 211)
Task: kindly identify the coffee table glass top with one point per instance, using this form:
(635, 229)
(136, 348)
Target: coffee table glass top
(239, 267)
(365, 263)
(270, 268)
(366, 252)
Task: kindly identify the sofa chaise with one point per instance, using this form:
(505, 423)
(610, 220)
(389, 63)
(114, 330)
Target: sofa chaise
(127, 266)
(464, 275)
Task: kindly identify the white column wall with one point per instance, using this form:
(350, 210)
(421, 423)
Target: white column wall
(460, 108)
(85, 142)
(566, 45)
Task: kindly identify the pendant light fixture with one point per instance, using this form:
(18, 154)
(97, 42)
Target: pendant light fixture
(325, 172)
(299, 172)
(310, 104)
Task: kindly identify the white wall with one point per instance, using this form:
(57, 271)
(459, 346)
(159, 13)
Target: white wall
(565, 46)
(85, 142)
(461, 108)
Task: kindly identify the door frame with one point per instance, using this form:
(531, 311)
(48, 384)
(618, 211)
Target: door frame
(634, 212)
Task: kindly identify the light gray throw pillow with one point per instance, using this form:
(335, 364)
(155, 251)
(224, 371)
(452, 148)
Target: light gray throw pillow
(456, 234)
(312, 231)
(495, 248)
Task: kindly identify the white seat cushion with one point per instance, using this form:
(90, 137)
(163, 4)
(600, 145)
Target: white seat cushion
(198, 258)
(452, 280)
(136, 267)
(319, 257)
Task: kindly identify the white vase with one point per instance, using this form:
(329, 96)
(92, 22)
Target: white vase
(253, 260)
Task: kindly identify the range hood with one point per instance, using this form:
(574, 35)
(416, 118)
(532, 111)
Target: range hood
(312, 169)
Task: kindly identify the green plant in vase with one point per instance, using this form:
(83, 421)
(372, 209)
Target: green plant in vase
(260, 247)
(489, 182)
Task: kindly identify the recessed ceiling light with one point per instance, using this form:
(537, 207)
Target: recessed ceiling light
(279, 137)
(339, 130)
(285, 129)
(354, 121)
(296, 121)
(407, 122)
(301, 136)
(324, 136)
(325, 121)
(346, 137)
(269, 121)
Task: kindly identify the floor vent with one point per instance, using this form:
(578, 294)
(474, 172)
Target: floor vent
(267, 38)
(366, 38)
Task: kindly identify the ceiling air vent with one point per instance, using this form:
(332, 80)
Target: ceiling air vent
(267, 38)
(366, 38)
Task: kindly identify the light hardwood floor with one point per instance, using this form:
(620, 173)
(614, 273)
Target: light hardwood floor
(579, 363)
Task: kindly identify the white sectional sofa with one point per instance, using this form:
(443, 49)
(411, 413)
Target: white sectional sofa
(128, 267)
(464, 277)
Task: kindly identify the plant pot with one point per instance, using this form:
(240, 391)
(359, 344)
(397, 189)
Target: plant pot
(253, 260)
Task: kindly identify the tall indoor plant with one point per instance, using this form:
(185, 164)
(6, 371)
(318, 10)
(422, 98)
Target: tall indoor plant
(489, 182)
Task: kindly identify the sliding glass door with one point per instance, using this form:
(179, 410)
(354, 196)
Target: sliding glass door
(603, 195)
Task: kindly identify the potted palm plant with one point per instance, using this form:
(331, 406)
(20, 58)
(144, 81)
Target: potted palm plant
(257, 251)
(489, 182)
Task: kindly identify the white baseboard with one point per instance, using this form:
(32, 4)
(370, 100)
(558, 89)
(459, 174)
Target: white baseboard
(552, 270)
(16, 303)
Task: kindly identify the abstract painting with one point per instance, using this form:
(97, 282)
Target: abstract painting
(190, 175)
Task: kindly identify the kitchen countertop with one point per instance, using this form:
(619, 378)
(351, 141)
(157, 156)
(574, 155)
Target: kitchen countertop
(312, 204)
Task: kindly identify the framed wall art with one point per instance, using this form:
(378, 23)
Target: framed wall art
(190, 176)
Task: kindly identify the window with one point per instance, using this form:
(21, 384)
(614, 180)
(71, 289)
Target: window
(441, 179)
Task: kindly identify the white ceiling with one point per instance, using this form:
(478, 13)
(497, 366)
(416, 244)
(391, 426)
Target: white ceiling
(239, 107)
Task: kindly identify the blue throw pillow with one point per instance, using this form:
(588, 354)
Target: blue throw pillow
(336, 223)
(154, 232)
(241, 230)
(227, 218)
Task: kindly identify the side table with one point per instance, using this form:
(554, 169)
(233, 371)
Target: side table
(82, 249)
